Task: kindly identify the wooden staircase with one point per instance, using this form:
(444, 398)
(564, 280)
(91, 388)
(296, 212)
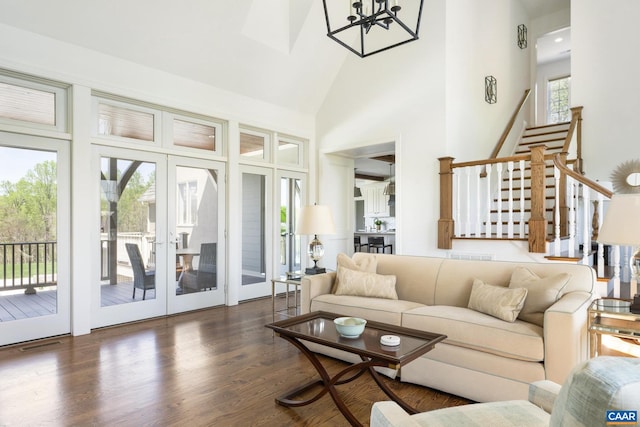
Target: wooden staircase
(553, 138)
(536, 194)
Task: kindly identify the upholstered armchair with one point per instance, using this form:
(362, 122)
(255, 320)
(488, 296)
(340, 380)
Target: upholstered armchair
(594, 387)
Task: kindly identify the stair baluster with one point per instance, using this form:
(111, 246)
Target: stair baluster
(556, 214)
(522, 220)
(478, 225)
(488, 202)
(510, 203)
(572, 217)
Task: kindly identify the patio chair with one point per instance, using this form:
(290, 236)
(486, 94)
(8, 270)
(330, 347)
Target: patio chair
(205, 276)
(142, 279)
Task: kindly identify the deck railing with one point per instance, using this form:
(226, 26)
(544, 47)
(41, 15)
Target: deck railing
(27, 265)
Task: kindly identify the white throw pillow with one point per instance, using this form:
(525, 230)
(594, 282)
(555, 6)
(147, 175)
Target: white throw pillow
(542, 292)
(367, 264)
(363, 284)
(497, 301)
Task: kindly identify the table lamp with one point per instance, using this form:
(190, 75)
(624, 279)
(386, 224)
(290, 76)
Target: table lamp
(621, 226)
(315, 219)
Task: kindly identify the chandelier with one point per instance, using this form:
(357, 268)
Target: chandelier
(366, 27)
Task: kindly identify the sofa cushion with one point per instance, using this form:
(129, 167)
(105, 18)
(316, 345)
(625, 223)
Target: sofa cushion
(374, 309)
(368, 265)
(542, 292)
(471, 329)
(497, 301)
(360, 283)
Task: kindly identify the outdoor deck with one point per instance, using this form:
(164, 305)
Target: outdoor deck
(16, 306)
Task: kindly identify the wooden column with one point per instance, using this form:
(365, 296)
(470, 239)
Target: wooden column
(537, 222)
(445, 223)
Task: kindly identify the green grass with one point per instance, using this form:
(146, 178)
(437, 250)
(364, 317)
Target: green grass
(10, 268)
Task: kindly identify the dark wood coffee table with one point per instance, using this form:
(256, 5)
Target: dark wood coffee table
(318, 327)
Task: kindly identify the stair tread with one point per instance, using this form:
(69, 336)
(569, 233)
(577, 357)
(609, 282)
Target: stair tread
(549, 125)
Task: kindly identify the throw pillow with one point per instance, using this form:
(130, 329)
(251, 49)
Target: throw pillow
(367, 264)
(542, 292)
(363, 284)
(497, 301)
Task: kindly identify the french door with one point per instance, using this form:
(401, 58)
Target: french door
(34, 238)
(257, 231)
(196, 234)
(161, 235)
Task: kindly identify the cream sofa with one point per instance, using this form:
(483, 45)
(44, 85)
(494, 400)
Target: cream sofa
(483, 358)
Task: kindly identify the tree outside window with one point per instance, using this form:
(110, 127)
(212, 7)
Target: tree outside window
(558, 109)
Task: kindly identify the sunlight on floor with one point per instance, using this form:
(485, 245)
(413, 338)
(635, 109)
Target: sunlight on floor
(619, 346)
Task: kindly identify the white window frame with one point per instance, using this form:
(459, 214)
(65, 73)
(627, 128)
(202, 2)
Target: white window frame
(61, 97)
(184, 205)
(95, 121)
(290, 140)
(169, 117)
(267, 156)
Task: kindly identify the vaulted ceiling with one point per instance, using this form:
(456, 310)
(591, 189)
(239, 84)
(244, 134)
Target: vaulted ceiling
(273, 50)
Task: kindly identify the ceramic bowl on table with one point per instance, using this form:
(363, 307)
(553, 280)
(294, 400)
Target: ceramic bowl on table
(350, 327)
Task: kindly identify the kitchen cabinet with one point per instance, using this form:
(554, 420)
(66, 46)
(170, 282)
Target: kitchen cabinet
(375, 201)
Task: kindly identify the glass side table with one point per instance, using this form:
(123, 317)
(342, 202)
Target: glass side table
(290, 279)
(611, 316)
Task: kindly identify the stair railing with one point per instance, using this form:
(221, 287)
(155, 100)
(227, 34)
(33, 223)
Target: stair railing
(472, 203)
(509, 127)
(586, 220)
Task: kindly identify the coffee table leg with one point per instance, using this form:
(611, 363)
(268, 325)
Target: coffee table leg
(376, 377)
(326, 382)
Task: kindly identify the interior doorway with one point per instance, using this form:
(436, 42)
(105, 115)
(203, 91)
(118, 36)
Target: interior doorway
(553, 77)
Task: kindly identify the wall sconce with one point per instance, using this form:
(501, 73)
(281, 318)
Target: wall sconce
(490, 89)
(522, 36)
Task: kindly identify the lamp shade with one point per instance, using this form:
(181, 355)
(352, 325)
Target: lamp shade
(621, 225)
(315, 219)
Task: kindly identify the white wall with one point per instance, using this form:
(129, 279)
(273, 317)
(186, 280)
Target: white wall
(482, 41)
(605, 68)
(428, 97)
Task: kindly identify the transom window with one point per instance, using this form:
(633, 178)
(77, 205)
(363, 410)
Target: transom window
(141, 122)
(125, 122)
(32, 102)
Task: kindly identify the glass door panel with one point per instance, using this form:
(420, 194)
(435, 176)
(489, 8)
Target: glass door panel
(197, 234)
(127, 230)
(256, 232)
(290, 203)
(34, 238)
(131, 281)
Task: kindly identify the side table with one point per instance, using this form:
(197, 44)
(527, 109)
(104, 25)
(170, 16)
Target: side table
(611, 316)
(289, 279)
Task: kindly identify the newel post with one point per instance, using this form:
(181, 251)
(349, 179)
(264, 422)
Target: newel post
(576, 115)
(562, 190)
(445, 223)
(537, 222)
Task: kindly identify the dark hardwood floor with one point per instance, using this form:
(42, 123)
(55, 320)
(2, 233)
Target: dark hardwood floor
(216, 367)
